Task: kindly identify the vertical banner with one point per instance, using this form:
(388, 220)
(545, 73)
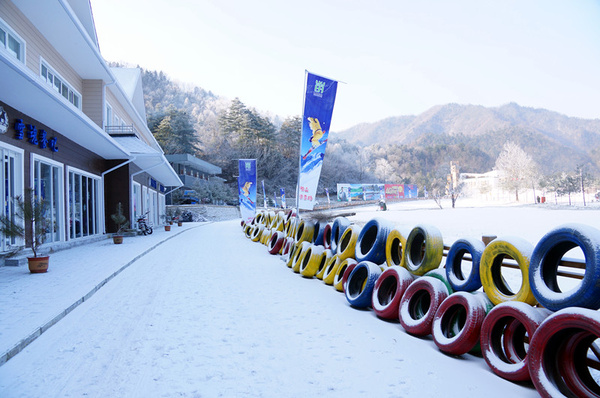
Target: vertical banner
(282, 193)
(316, 123)
(247, 188)
(264, 195)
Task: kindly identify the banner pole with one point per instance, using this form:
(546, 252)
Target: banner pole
(300, 149)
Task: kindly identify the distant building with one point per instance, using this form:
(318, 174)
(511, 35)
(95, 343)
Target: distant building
(71, 128)
(193, 171)
(485, 186)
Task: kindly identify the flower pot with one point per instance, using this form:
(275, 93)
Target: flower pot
(117, 239)
(167, 227)
(179, 223)
(38, 265)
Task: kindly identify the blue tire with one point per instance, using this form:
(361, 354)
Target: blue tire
(543, 269)
(454, 272)
(337, 230)
(371, 241)
(318, 234)
(360, 284)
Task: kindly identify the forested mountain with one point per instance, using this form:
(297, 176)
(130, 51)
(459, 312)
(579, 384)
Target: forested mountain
(404, 149)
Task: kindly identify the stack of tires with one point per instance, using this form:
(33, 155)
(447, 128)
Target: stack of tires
(537, 333)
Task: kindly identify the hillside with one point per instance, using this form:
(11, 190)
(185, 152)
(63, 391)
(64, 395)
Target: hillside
(555, 141)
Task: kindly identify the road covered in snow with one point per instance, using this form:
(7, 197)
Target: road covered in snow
(212, 314)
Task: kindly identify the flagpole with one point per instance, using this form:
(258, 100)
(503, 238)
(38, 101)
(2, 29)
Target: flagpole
(300, 148)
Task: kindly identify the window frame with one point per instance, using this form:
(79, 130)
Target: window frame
(10, 32)
(59, 84)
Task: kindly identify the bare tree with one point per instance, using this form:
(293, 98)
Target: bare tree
(517, 167)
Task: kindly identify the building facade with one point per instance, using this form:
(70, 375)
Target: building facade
(73, 129)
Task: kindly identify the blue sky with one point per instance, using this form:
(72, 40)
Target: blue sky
(395, 57)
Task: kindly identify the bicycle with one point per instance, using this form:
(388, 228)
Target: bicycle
(143, 226)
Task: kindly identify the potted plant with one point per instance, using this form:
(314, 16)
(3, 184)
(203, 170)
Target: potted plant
(122, 223)
(29, 224)
(178, 217)
(167, 225)
(169, 216)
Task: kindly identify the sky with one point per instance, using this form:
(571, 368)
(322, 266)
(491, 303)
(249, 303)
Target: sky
(393, 57)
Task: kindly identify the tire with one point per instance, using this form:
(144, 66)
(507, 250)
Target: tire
(557, 353)
(323, 263)
(289, 242)
(454, 272)
(388, 290)
(257, 233)
(419, 303)
(327, 236)
(440, 273)
(331, 269)
(505, 333)
(341, 275)
(347, 244)
(305, 250)
(276, 242)
(360, 284)
(544, 266)
(305, 231)
(417, 261)
(150, 231)
(332, 261)
(457, 323)
(394, 248)
(371, 243)
(311, 261)
(492, 281)
(337, 230)
(318, 233)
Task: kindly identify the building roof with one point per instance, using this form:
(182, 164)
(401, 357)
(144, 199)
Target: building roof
(192, 161)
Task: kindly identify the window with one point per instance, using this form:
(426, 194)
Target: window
(48, 186)
(84, 204)
(11, 42)
(60, 86)
(12, 186)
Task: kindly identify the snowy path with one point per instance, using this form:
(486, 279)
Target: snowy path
(212, 314)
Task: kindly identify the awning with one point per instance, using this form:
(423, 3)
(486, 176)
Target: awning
(150, 160)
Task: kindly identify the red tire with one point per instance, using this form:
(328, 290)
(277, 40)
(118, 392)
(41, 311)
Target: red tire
(276, 242)
(505, 334)
(327, 236)
(558, 353)
(419, 304)
(388, 291)
(457, 323)
(289, 243)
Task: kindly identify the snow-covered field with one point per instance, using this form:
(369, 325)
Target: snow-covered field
(212, 314)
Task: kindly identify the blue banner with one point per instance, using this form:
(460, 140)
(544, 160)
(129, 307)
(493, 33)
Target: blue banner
(282, 194)
(316, 123)
(247, 188)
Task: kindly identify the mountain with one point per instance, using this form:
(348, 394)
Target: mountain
(555, 141)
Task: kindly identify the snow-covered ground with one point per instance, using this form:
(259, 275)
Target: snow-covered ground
(211, 314)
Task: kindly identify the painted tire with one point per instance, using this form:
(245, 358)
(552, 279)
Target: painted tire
(347, 244)
(332, 261)
(417, 261)
(361, 281)
(304, 250)
(318, 233)
(287, 246)
(454, 271)
(295, 254)
(331, 269)
(311, 261)
(370, 245)
(337, 230)
(504, 335)
(327, 236)
(248, 230)
(493, 283)
(544, 266)
(394, 248)
(325, 257)
(457, 323)
(388, 291)
(440, 273)
(558, 350)
(341, 274)
(276, 242)
(419, 303)
(257, 233)
(305, 231)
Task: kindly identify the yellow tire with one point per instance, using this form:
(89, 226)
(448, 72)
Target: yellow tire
(424, 249)
(311, 261)
(490, 270)
(331, 269)
(338, 280)
(303, 249)
(257, 233)
(394, 248)
(330, 258)
(295, 251)
(305, 231)
(347, 246)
